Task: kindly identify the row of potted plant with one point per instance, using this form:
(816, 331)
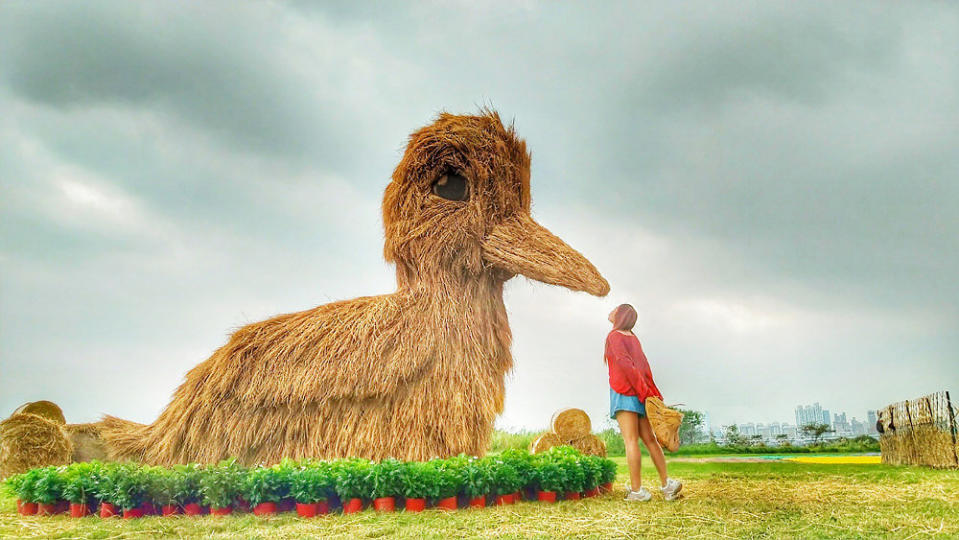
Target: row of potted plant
(311, 487)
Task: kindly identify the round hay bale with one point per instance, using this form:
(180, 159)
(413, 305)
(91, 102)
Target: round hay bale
(28, 441)
(571, 424)
(46, 409)
(590, 445)
(544, 442)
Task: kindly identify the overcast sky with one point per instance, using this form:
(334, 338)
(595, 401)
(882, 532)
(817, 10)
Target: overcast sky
(775, 187)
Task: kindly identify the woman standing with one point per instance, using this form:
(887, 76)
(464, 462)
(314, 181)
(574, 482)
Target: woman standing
(630, 383)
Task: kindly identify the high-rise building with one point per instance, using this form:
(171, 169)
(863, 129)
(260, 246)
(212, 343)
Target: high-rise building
(871, 422)
(809, 414)
(825, 417)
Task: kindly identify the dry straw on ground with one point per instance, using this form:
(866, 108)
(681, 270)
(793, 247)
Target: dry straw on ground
(590, 444)
(28, 440)
(414, 374)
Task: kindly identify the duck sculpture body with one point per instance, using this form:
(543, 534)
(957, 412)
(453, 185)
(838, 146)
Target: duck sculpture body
(415, 374)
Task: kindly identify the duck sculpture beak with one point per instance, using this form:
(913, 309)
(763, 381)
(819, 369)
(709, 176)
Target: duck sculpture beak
(519, 245)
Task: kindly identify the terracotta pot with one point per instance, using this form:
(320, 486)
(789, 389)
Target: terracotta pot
(478, 502)
(572, 496)
(306, 510)
(28, 508)
(132, 513)
(46, 509)
(592, 492)
(169, 510)
(448, 503)
(546, 496)
(503, 500)
(518, 496)
(385, 504)
(193, 509)
(108, 510)
(78, 510)
(225, 511)
(606, 488)
(265, 508)
(322, 507)
(352, 506)
(415, 505)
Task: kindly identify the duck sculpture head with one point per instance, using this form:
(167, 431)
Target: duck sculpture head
(458, 209)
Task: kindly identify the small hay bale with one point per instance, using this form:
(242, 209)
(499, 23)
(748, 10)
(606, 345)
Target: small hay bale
(45, 409)
(28, 441)
(87, 444)
(544, 442)
(665, 422)
(590, 445)
(571, 424)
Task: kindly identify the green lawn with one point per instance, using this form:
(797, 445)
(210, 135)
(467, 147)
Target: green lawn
(723, 500)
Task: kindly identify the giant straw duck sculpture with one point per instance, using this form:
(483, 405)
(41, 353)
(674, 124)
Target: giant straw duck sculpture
(415, 374)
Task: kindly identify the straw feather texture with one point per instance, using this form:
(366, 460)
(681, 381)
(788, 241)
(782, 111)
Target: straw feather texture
(46, 409)
(665, 423)
(414, 374)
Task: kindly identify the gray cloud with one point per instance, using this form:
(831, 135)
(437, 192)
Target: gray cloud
(772, 183)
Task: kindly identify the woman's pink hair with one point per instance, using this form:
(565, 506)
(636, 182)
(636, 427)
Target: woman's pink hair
(624, 318)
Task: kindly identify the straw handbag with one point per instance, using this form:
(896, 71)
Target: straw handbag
(665, 422)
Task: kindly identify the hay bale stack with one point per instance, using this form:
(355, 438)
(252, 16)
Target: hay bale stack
(571, 424)
(570, 427)
(45, 409)
(544, 442)
(28, 440)
(590, 445)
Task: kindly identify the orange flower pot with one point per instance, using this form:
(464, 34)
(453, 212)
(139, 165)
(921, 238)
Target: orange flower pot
(169, 510)
(385, 504)
(306, 510)
(265, 509)
(108, 510)
(46, 509)
(352, 506)
(132, 513)
(546, 496)
(478, 502)
(572, 496)
(415, 505)
(78, 510)
(606, 488)
(322, 507)
(225, 511)
(592, 492)
(193, 509)
(448, 503)
(28, 508)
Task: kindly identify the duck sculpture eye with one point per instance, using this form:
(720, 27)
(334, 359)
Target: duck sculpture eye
(451, 187)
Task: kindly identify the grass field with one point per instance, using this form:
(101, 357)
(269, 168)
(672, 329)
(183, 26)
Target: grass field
(780, 499)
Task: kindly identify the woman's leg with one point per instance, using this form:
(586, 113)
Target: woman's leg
(655, 451)
(629, 428)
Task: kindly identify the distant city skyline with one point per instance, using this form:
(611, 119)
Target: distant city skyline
(841, 423)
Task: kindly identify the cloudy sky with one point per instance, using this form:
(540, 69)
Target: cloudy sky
(775, 186)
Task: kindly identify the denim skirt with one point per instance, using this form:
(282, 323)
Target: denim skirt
(619, 402)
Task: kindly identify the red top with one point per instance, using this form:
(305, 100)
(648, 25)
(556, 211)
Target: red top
(629, 372)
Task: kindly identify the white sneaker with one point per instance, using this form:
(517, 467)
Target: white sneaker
(671, 489)
(642, 495)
